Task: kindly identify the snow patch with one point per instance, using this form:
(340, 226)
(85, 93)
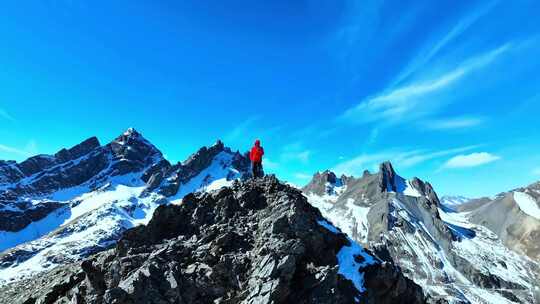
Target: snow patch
(95, 222)
(348, 260)
(350, 268)
(351, 218)
(527, 204)
(410, 190)
(219, 174)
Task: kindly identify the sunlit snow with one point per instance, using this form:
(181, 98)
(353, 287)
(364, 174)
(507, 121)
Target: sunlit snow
(527, 204)
(349, 267)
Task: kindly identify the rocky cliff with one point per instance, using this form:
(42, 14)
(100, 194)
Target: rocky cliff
(403, 220)
(258, 241)
(60, 208)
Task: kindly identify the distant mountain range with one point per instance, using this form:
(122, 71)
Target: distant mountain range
(56, 209)
(440, 245)
(118, 223)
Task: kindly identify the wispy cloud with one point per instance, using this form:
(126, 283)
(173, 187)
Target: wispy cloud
(29, 150)
(536, 171)
(301, 156)
(453, 123)
(5, 115)
(412, 159)
(361, 162)
(270, 164)
(295, 152)
(373, 135)
(302, 176)
(436, 45)
(404, 159)
(470, 160)
(402, 103)
(13, 150)
(240, 130)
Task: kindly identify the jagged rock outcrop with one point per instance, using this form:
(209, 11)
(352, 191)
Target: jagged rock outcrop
(387, 178)
(167, 180)
(80, 200)
(93, 165)
(22, 213)
(86, 163)
(259, 241)
(325, 183)
(403, 221)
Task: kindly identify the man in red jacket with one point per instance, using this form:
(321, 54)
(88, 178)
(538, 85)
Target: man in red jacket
(255, 155)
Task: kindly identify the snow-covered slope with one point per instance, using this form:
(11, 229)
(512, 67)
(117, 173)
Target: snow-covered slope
(91, 216)
(514, 216)
(454, 201)
(404, 221)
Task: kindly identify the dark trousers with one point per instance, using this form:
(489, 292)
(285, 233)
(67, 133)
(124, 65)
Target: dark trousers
(257, 169)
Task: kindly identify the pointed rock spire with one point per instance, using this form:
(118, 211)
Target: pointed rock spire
(387, 177)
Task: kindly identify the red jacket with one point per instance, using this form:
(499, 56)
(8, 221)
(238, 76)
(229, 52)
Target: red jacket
(257, 152)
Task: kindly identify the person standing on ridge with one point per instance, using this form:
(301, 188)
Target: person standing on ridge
(255, 155)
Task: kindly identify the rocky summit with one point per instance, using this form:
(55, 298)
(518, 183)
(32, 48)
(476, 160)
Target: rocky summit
(258, 241)
(118, 223)
(514, 216)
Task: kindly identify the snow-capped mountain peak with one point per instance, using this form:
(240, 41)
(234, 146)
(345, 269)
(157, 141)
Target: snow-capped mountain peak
(81, 199)
(403, 221)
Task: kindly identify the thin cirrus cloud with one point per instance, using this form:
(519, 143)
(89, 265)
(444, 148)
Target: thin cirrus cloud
(5, 115)
(240, 131)
(470, 160)
(302, 176)
(29, 150)
(295, 152)
(402, 103)
(301, 156)
(433, 48)
(454, 123)
(405, 159)
(270, 164)
(536, 171)
(13, 150)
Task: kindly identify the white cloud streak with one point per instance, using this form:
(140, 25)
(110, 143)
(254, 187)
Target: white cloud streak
(433, 48)
(13, 150)
(404, 159)
(29, 150)
(470, 160)
(411, 101)
(5, 115)
(454, 123)
(301, 156)
(302, 176)
(240, 130)
(269, 164)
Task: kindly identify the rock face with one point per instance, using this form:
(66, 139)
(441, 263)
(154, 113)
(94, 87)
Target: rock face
(166, 179)
(404, 221)
(325, 183)
(87, 164)
(514, 216)
(259, 241)
(61, 208)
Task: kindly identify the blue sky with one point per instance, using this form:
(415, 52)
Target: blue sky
(448, 91)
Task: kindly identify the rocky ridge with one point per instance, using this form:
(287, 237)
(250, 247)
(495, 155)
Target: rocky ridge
(258, 241)
(81, 200)
(404, 220)
(514, 216)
